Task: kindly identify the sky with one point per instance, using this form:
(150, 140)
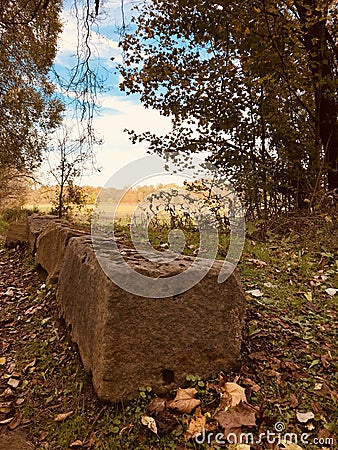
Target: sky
(117, 111)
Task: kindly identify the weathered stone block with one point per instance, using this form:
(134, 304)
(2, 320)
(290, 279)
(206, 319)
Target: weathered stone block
(36, 224)
(127, 341)
(17, 233)
(51, 246)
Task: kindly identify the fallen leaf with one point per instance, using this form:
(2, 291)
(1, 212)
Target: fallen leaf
(184, 400)
(7, 393)
(196, 425)
(236, 392)
(156, 405)
(13, 382)
(76, 443)
(305, 417)
(24, 384)
(91, 440)
(293, 400)
(225, 400)
(16, 375)
(166, 422)
(43, 436)
(269, 285)
(235, 418)
(2, 361)
(255, 293)
(254, 387)
(308, 296)
(261, 356)
(29, 365)
(63, 416)
(15, 422)
(331, 291)
(150, 423)
(326, 359)
(5, 409)
(3, 422)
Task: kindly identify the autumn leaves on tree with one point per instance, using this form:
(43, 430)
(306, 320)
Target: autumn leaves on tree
(29, 110)
(253, 82)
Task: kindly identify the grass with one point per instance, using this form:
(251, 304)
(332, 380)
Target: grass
(289, 349)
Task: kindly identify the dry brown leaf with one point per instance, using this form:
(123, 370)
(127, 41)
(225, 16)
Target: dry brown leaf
(156, 405)
(150, 423)
(2, 361)
(91, 440)
(254, 387)
(76, 443)
(225, 400)
(196, 425)
(15, 422)
(13, 382)
(29, 365)
(5, 409)
(234, 418)
(63, 416)
(293, 400)
(7, 393)
(236, 392)
(43, 436)
(184, 400)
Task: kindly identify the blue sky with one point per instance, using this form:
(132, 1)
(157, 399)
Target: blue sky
(118, 111)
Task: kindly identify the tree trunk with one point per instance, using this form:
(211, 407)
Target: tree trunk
(321, 61)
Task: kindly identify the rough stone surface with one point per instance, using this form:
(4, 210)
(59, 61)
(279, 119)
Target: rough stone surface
(51, 246)
(36, 224)
(17, 233)
(14, 440)
(127, 341)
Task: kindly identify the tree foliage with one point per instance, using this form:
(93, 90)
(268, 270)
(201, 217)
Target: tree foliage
(254, 83)
(29, 110)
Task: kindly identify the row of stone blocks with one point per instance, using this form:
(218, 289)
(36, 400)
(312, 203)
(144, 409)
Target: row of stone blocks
(126, 341)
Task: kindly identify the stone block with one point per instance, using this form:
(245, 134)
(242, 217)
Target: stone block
(51, 246)
(17, 233)
(126, 341)
(36, 224)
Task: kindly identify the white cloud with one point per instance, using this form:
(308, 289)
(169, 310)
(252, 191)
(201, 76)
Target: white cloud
(118, 112)
(117, 149)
